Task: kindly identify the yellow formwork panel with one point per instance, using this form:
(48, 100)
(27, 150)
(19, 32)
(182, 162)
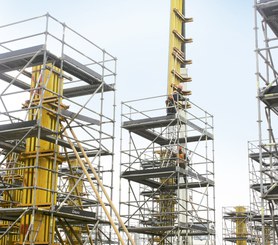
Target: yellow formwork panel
(241, 228)
(177, 40)
(40, 228)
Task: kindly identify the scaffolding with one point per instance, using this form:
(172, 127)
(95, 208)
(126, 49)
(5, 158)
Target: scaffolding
(263, 153)
(55, 85)
(262, 231)
(167, 173)
(237, 226)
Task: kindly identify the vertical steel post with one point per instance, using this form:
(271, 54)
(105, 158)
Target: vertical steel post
(259, 118)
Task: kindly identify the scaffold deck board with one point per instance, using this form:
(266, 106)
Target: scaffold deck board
(162, 121)
(152, 136)
(69, 213)
(238, 238)
(16, 82)
(89, 153)
(235, 215)
(148, 176)
(156, 184)
(189, 185)
(72, 212)
(192, 229)
(79, 70)
(18, 59)
(270, 190)
(270, 98)
(11, 214)
(268, 10)
(266, 218)
(86, 90)
(159, 139)
(73, 115)
(142, 127)
(85, 201)
(67, 92)
(27, 129)
(265, 155)
(19, 130)
(9, 146)
(257, 187)
(60, 142)
(151, 122)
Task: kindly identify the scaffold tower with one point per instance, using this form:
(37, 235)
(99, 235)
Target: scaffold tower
(57, 114)
(263, 152)
(237, 226)
(167, 197)
(167, 157)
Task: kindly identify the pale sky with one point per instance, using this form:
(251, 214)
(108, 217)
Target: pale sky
(224, 84)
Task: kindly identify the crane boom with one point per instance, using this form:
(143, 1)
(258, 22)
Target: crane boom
(177, 41)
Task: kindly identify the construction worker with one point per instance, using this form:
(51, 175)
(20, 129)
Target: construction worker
(173, 101)
(182, 158)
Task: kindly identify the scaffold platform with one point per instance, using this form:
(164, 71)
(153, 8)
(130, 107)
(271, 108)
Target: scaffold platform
(142, 127)
(191, 229)
(36, 55)
(268, 10)
(57, 148)
(164, 168)
(150, 177)
(270, 97)
(270, 190)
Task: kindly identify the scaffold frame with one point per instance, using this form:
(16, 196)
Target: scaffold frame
(238, 227)
(166, 198)
(34, 54)
(263, 152)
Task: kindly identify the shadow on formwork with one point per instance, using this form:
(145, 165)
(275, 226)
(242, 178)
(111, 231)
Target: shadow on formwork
(167, 173)
(56, 109)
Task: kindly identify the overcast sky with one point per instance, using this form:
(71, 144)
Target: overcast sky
(136, 32)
